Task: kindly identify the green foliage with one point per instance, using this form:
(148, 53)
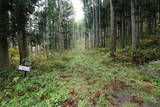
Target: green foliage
(45, 66)
(102, 102)
(13, 52)
(59, 64)
(89, 78)
(54, 56)
(48, 22)
(149, 51)
(129, 105)
(107, 59)
(38, 91)
(146, 55)
(140, 56)
(14, 56)
(154, 66)
(152, 41)
(66, 57)
(15, 79)
(54, 62)
(124, 55)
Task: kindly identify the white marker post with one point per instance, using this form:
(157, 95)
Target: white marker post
(25, 69)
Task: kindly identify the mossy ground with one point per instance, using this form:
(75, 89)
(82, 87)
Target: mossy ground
(80, 78)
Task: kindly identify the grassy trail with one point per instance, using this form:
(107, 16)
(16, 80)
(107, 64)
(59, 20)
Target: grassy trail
(94, 84)
(82, 78)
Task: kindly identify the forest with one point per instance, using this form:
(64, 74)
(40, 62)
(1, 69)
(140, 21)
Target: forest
(79, 53)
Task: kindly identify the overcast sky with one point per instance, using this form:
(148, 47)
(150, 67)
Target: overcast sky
(78, 8)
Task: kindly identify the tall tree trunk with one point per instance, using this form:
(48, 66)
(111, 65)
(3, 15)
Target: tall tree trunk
(23, 48)
(123, 31)
(61, 37)
(22, 37)
(96, 26)
(86, 40)
(134, 31)
(112, 36)
(99, 23)
(4, 57)
(93, 28)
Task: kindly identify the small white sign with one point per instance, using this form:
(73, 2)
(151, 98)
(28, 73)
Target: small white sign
(23, 68)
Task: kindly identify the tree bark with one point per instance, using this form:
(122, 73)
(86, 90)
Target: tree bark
(61, 38)
(22, 37)
(134, 28)
(112, 36)
(23, 48)
(86, 40)
(99, 23)
(4, 57)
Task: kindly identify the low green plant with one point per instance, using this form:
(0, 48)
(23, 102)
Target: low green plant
(14, 56)
(45, 66)
(66, 57)
(129, 105)
(139, 56)
(59, 64)
(36, 91)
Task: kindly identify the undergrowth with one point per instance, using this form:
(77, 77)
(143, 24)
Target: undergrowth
(81, 78)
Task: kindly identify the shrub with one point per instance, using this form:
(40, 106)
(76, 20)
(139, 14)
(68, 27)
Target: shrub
(54, 56)
(124, 55)
(140, 56)
(154, 67)
(145, 55)
(66, 57)
(153, 41)
(44, 65)
(59, 64)
(14, 56)
(106, 59)
(13, 52)
(105, 50)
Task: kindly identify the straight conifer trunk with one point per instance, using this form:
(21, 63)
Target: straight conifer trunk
(4, 57)
(61, 37)
(134, 28)
(112, 36)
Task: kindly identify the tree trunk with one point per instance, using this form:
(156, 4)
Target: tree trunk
(134, 31)
(99, 24)
(86, 40)
(123, 31)
(93, 28)
(61, 38)
(112, 36)
(23, 49)
(4, 57)
(96, 27)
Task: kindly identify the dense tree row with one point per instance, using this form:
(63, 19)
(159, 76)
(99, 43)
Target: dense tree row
(33, 23)
(48, 25)
(125, 21)
(54, 26)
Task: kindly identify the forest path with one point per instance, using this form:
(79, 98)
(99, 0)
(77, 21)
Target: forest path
(80, 78)
(93, 84)
(86, 78)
